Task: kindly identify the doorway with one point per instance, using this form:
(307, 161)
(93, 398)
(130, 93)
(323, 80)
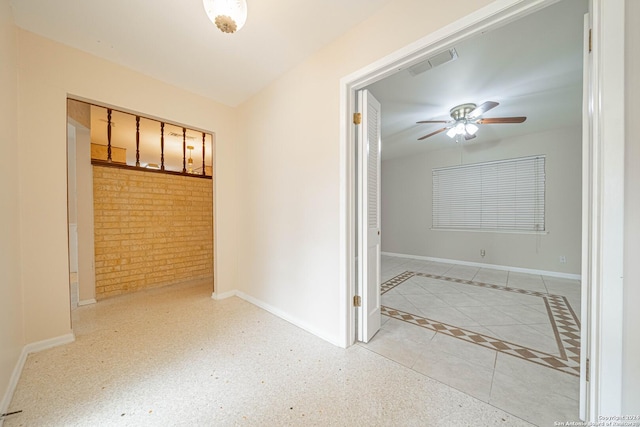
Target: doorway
(141, 225)
(592, 256)
(500, 322)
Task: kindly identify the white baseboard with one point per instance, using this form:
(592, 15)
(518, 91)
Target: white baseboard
(294, 321)
(492, 266)
(276, 312)
(35, 347)
(13, 383)
(17, 370)
(216, 296)
(87, 302)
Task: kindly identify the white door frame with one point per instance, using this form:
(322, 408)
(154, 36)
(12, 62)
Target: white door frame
(606, 209)
(605, 183)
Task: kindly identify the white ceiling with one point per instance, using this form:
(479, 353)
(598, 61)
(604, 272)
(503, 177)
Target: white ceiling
(174, 41)
(532, 67)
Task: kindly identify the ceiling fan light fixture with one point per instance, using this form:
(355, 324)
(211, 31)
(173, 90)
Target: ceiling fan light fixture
(471, 129)
(466, 117)
(462, 128)
(228, 15)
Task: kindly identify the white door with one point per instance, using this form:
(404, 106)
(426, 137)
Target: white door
(369, 214)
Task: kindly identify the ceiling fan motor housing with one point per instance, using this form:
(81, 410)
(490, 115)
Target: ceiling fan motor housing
(460, 111)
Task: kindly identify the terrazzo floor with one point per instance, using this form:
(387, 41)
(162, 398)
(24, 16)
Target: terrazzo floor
(175, 357)
(508, 339)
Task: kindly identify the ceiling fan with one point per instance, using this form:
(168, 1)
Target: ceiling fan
(466, 117)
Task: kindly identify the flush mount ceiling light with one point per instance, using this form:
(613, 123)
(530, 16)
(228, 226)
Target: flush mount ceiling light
(228, 15)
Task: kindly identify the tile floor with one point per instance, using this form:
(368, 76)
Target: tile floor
(509, 339)
(175, 357)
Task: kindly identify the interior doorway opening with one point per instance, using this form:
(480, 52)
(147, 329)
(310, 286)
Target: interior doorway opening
(462, 30)
(140, 203)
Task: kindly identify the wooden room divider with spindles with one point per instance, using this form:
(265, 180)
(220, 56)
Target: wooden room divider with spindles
(110, 163)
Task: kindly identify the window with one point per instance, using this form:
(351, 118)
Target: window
(505, 195)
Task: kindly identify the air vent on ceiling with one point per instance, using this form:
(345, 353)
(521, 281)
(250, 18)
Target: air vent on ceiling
(433, 61)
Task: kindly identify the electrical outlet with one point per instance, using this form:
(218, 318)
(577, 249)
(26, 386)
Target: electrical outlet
(482, 253)
(563, 259)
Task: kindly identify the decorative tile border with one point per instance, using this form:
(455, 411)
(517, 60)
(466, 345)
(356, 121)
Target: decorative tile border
(564, 323)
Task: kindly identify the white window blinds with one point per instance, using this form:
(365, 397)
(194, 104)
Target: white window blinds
(504, 195)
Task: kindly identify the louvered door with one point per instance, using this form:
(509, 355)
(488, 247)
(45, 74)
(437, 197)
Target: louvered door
(369, 140)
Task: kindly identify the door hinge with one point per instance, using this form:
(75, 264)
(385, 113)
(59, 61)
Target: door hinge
(590, 43)
(587, 369)
(357, 118)
(357, 301)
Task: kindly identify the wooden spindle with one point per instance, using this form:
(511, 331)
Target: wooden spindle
(161, 146)
(138, 141)
(204, 170)
(184, 150)
(108, 134)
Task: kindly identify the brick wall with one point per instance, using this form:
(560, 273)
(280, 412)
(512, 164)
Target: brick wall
(151, 229)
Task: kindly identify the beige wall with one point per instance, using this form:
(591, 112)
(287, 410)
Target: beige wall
(288, 155)
(80, 112)
(11, 313)
(631, 338)
(84, 200)
(151, 229)
(407, 202)
(48, 73)
(80, 195)
(290, 173)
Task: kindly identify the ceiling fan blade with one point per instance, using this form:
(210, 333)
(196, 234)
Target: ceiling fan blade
(468, 136)
(482, 108)
(433, 121)
(494, 120)
(432, 133)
